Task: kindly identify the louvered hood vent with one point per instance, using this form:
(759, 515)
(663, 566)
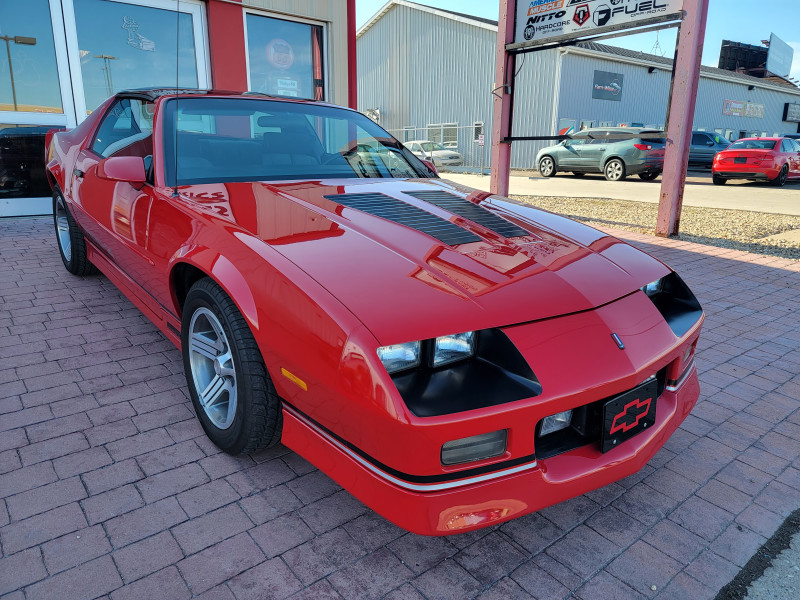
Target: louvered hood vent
(466, 209)
(397, 211)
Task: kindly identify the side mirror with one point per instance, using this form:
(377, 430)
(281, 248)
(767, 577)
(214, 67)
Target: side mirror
(123, 168)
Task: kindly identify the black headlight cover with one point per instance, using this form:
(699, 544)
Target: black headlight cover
(676, 303)
(496, 374)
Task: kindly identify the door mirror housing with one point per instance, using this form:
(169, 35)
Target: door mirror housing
(123, 168)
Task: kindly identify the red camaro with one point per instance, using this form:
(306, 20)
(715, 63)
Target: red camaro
(452, 358)
(758, 159)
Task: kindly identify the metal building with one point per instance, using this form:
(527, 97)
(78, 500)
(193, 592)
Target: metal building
(427, 73)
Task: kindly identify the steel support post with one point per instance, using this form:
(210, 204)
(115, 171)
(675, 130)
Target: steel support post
(683, 97)
(503, 100)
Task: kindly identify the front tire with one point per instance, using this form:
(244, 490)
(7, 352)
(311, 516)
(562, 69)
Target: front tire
(547, 166)
(718, 180)
(649, 175)
(614, 170)
(71, 243)
(231, 390)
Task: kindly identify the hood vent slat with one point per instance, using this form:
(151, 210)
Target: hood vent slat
(397, 211)
(466, 209)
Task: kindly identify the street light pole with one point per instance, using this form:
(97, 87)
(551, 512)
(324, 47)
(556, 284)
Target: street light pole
(28, 41)
(107, 58)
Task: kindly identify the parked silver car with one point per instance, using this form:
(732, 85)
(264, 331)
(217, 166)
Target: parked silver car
(614, 151)
(704, 146)
(436, 153)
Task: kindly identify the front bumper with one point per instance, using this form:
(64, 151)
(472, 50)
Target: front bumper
(489, 499)
(578, 364)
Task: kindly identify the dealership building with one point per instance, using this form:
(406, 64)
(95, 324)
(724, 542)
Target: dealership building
(428, 73)
(63, 58)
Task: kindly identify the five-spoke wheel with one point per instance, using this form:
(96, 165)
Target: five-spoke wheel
(231, 390)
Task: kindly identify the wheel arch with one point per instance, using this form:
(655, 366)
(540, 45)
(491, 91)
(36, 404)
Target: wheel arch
(184, 272)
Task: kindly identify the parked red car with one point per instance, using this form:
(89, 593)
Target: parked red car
(452, 358)
(776, 160)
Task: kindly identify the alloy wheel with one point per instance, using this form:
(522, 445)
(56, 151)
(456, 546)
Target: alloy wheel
(62, 229)
(212, 367)
(546, 166)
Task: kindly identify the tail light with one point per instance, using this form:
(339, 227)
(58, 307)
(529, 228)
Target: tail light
(430, 165)
(643, 146)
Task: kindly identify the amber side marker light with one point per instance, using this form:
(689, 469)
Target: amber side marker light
(294, 379)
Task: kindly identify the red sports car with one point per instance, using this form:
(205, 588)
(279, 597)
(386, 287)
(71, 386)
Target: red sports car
(452, 358)
(758, 159)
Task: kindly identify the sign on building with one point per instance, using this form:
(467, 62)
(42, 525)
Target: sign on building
(779, 58)
(791, 112)
(739, 108)
(607, 86)
(542, 20)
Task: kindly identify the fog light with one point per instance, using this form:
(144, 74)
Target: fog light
(556, 422)
(476, 447)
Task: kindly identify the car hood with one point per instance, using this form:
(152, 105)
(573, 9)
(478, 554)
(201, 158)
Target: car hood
(372, 243)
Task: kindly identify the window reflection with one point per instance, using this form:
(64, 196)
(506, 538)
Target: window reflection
(29, 80)
(285, 57)
(22, 172)
(125, 46)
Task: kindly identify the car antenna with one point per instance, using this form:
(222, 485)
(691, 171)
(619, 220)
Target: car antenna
(177, 74)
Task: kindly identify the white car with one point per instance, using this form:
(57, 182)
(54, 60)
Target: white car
(436, 153)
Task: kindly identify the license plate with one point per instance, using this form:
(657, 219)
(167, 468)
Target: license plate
(740, 159)
(629, 414)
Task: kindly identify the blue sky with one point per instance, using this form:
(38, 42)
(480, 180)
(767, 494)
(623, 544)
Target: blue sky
(739, 20)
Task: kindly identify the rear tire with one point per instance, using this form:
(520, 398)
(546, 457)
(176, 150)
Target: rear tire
(614, 170)
(71, 243)
(649, 176)
(718, 180)
(547, 166)
(231, 390)
(783, 175)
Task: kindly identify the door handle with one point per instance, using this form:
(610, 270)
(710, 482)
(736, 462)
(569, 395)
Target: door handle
(78, 173)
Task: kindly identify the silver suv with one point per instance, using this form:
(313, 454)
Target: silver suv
(616, 152)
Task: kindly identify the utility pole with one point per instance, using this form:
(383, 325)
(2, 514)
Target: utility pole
(17, 39)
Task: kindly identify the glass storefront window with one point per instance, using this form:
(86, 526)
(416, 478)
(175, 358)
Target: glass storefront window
(285, 57)
(126, 46)
(28, 70)
(22, 172)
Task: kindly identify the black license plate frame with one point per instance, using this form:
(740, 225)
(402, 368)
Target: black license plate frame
(629, 414)
(740, 160)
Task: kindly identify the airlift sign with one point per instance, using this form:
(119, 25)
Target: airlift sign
(541, 20)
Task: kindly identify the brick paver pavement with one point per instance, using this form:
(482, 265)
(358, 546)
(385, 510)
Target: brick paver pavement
(110, 488)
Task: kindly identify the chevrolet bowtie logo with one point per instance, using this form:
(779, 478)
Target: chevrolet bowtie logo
(629, 417)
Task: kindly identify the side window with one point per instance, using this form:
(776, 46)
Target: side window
(599, 137)
(786, 146)
(578, 140)
(126, 130)
(699, 139)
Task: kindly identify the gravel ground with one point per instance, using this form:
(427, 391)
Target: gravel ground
(781, 581)
(736, 229)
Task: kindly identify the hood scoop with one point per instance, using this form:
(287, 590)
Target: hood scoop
(397, 211)
(472, 212)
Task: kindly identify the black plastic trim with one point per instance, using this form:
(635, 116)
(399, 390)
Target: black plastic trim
(677, 304)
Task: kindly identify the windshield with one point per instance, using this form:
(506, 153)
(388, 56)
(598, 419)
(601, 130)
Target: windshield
(752, 145)
(431, 146)
(248, 139)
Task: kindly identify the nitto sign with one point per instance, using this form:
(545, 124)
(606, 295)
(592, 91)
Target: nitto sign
(576, 18)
